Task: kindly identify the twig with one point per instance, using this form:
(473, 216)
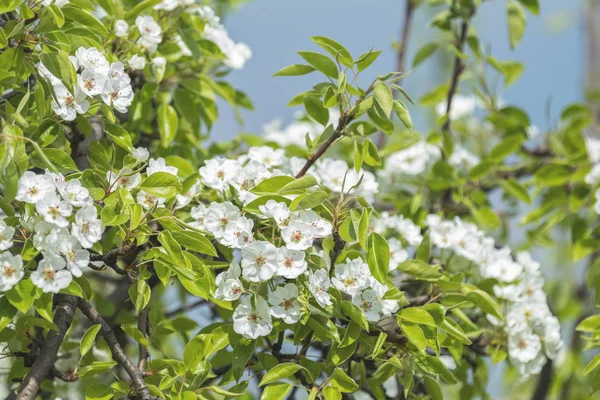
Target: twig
(110, 258)
(186, 307)
(457, 70)
(119, 355)
(401, 55)
(344, 120)
(44, 363)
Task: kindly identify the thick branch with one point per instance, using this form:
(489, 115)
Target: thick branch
(119, 355)
(44, 363)
(344, 120)
(110, 258)
(143, 327)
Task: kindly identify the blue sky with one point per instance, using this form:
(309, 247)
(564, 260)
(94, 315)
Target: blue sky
(552, 49)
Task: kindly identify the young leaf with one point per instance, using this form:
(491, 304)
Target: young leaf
(87, 341)
(320, 62)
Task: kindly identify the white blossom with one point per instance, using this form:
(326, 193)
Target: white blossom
(121, 28)
(33, 188)
(298, 235)
(6, 235)
(87, 228)
(148, 200)
(351, 277)
(218, 172)
(237, 233)
(291, 263)
(279, 211)
(284, 303)
(76, 257)
(11, 271)
(54, 210)
(92, 59)
(140, 154)
(259, 261)
(91, 82)
(252, 321)
(229, 286)
(74, 193)
(218, 216)
(159, 62)
(319, 284)
(160, 165)
(50, 275)
(67, 105)
(137, 62)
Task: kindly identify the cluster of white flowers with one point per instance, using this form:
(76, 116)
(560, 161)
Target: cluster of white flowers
(237, 54)
(57, 3)
(533, 332)
(262, 162)
(279, 258)
(413, 160)
(96, 77)
(150, 33)
(64, 224)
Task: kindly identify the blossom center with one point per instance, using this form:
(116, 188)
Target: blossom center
(261, 260)
(296, 236)
(49, 274)
(8, 271)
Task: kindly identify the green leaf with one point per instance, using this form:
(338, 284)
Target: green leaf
(305, 182)
(592, 365)
(281, 371)
(134, 333)
(242, 353)
(168, 123)
(367, 59)
(590, 324)
(421, 270)
(59, 160)
(277, 391)
(84, 18)
(161, 184)
(320, 62)
(332, 393)
(295, 70)
(484, 301)
(516, 23)
(195, 241)
(433, 388)
(402, 113)
(383, 96)
(119, 136)
(343, 382)
(378, 256)
(139, 292)
(22, 295)
(272, 185)
(532, 5)
(425, 52)
(334, 48)
(553, 175)
(96, 368)
(517, 190)
(414, 334)
(442, 370)
(140, 7)
(87, 341)
(418, 316)
(315, 108)
(61, 67)
(98, 391)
